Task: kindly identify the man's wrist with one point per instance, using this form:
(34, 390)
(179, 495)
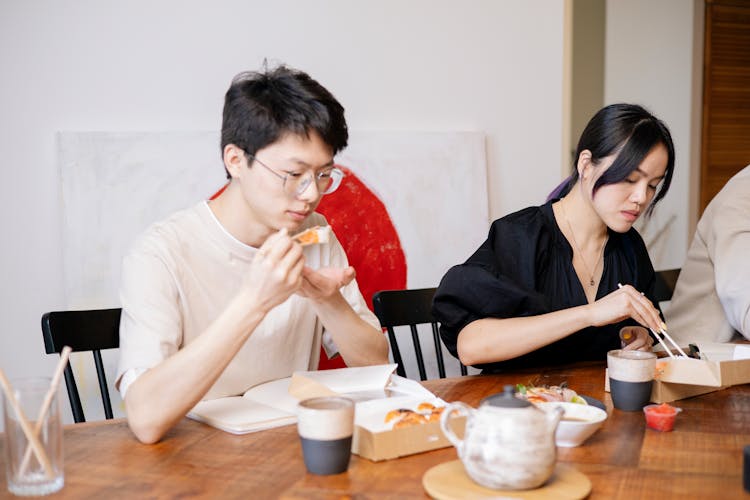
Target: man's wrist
(247, 307)
(329, 301)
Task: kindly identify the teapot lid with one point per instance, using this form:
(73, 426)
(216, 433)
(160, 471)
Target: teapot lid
(506, 399)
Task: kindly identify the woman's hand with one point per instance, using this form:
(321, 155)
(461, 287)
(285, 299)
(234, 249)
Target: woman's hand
(642, 341)
(322, 283)
(625, 302)
(276, 271)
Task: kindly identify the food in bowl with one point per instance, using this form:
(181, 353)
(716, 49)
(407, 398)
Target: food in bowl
(661, 417)
(553, 393)
(578, 423)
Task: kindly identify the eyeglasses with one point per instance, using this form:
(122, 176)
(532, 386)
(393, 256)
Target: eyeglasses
(327, 180)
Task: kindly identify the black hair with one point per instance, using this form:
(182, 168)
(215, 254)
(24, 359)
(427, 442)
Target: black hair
(260, 107)
(630, 132)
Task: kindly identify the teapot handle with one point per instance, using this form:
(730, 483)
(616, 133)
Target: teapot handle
(459, 409)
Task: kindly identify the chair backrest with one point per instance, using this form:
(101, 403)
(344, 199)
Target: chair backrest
(409, 308)
(83, 331)
(665, 283)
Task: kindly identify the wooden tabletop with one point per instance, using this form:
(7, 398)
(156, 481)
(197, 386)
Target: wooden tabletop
(701, 458)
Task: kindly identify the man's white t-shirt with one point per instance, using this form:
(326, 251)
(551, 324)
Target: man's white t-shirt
(181, 274)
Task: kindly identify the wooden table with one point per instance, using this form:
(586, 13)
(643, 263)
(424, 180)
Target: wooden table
(702, 458)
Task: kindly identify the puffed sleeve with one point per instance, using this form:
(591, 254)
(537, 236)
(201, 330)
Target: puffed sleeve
(497, 281)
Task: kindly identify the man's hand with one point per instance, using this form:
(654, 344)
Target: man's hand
(320, 284)
(276, 271)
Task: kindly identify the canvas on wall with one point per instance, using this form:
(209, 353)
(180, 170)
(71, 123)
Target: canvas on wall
(430, 186)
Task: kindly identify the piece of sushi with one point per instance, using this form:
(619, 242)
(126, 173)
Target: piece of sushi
(313, 236)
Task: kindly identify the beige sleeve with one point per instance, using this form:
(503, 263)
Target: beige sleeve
(151, 323)
(731, 251)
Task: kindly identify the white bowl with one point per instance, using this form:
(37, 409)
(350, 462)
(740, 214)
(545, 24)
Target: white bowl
(578, 422)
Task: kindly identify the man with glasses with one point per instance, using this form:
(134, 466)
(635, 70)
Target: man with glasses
(219, 297)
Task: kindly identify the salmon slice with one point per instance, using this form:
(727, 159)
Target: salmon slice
(313, 236)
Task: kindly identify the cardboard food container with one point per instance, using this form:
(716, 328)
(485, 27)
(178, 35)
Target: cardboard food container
(680, 378)
(373, 438)
(377, 440)
(722, 365)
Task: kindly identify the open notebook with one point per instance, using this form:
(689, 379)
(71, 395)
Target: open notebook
(274, 403)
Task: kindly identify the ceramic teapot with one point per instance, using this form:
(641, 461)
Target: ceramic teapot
(508, 444)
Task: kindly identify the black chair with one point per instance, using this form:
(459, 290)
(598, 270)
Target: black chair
(665, 283)
(409, 307)
(83, 331)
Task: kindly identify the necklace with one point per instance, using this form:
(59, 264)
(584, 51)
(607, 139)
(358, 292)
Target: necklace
(578, 249)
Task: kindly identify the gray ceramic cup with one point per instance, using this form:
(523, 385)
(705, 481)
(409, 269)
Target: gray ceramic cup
(325, 427)
(631, 378)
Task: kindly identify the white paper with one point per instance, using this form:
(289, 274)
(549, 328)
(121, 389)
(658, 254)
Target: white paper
(355, 379)
(274, 394)
(239, 415)
(742, 352)
(716, 351)
(408, 387)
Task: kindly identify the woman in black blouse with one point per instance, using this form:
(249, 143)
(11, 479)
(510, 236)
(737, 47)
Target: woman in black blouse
(557, 283)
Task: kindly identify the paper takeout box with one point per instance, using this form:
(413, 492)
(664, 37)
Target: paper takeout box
(723, 365)
(680, 378)
(376, 440)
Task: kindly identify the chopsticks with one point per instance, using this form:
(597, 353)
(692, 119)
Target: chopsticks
(32, 435)
(663, 331)
(666, 336)
(665, 346)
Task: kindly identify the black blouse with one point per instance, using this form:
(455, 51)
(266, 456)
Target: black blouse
(525, 268)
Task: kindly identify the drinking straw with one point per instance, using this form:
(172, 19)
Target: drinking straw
(27, 430)
(64, 355)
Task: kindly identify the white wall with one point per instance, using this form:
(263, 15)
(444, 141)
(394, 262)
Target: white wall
(650, 60)
(491, 65)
